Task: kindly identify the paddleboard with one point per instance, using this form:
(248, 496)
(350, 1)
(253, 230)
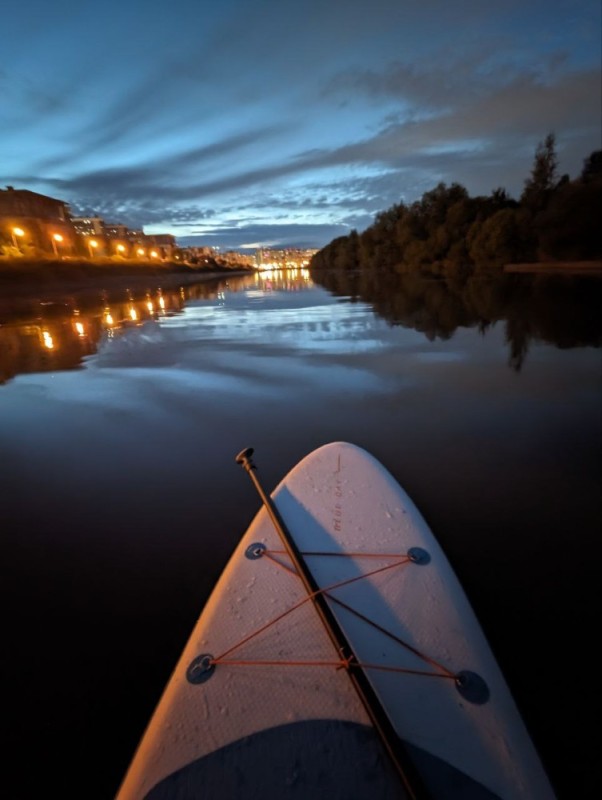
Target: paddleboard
(264, 703)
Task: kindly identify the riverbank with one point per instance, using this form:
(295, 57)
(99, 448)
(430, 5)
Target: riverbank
(24, 285)
(557, 268)
(26, 278)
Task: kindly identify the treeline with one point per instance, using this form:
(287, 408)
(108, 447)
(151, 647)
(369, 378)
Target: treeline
(447, 232)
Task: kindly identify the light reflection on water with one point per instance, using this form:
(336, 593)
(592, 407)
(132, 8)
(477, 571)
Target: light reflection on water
(157, 327)
(119, 421)
(60, 334)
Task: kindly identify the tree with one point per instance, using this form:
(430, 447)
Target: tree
(543, 179)
(496, 241)
(569, 228)
(432, 208)
(592, 167)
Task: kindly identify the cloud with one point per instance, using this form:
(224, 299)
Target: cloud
(497, 132)
(283, 235)
(18, 92)
(314, 113)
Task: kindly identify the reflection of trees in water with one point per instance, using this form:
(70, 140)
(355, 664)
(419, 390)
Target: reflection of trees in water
(559, 310)
(518, 336)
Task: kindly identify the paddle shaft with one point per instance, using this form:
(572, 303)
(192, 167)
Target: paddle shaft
(390, 740)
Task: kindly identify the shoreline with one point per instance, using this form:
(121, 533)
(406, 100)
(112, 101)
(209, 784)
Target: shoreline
(61, 283)
(32, 278)
(556, 268)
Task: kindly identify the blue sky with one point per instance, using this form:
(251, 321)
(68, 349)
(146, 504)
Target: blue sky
(262, 122)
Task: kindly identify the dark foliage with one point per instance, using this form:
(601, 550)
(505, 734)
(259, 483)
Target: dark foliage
(449, 233)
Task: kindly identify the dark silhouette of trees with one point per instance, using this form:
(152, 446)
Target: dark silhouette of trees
(543, 178)
(448, 233)
(496, 238)
(592, 167)
(569, 226)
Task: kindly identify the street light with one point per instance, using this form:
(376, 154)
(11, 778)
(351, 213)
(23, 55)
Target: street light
(17, 232)
(154, 254)
(92, 245)
(56, 237)
(120, 249)
(140, 251)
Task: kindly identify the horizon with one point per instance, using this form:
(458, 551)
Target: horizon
(279, 126)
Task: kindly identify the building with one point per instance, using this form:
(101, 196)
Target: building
(116, 230)
(164, 244)
(290, 258)
(117, 238)
(89, 226)
(29, 219)
(34, 222)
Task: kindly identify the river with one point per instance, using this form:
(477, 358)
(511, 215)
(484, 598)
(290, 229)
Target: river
(120, 418)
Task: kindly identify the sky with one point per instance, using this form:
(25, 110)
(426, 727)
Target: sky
(270, 123)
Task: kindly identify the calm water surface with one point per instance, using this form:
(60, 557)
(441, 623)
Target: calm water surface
(120, 417)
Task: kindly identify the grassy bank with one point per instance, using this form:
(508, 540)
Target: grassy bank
(21, 276)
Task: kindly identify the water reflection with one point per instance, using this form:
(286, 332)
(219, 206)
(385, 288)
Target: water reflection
(558, 310)
(42, 336)
(47, 336)
(141, 503)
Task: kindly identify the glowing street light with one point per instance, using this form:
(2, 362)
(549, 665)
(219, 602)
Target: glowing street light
(154, 254)
(17, 232)
(92, 245)
(56, 238)
(120, 249)
(140, 251)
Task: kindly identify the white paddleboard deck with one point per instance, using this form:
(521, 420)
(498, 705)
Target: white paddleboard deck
(260, 704)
